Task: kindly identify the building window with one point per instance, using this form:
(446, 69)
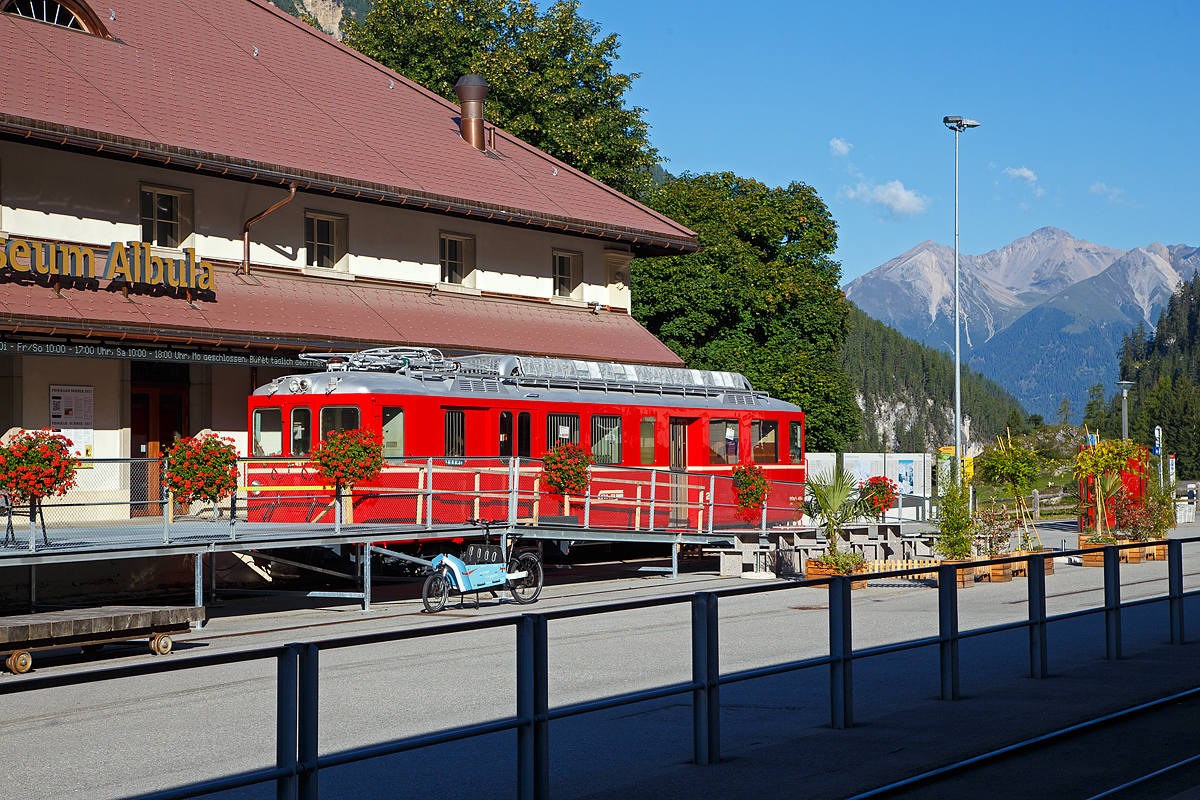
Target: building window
(606, 439)
(301, 431)
(166, 216)
(325, 238)
(393, 432)
(723, 441)
(566, 267)
(764, 441)
(63, 14)
(647, 440)
(457, 256)
(456, 434)
(561, 429)
(339, 418)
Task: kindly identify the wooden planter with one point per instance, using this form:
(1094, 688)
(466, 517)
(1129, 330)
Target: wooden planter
(1095, 559)
(812, 570)
(1157, 551)
(998, 573)
(966, 575)
(1132, 555)
(1021, 568)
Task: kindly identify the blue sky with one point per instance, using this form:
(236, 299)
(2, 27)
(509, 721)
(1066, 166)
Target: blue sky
(1089, 112)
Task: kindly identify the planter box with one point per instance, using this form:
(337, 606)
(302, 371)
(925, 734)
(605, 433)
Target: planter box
(1156, 551)
(812, 570)
(997, 573)
(1021, 569)
(1093, 559)
(965, 575)
(1132, 555)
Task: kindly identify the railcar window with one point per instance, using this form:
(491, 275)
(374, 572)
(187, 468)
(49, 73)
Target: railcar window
(456, 434)
(393, 432)
(606, 439)
(301, 431)
(524, 435)
(647, 440)
(506, 433)
(764, 441)
(268, 432)
(339, 418)
(795, 444)
(723, 441)
(561, 428)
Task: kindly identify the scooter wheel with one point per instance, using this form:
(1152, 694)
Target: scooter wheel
(435, 592)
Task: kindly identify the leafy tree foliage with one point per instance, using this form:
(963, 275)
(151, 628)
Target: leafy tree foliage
(551, 78)
(761, 298)
(888, 370)
(1165, 365)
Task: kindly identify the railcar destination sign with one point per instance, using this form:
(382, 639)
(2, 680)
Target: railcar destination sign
(135, 264)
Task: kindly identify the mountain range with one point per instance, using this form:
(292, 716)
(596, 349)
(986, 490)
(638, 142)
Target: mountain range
(1043, 316)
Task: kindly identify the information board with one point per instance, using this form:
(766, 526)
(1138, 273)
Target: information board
(72, 413)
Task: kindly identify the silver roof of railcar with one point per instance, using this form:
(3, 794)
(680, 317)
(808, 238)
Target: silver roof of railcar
(427, 372)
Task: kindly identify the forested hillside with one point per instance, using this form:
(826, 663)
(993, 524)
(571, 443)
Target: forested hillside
(1165, 365)
(906, 391)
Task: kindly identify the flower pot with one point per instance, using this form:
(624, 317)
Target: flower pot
(814, 569)
(966, 575)
(1094, 559)
(998, 573)
(1131, 555)
(1157, 551)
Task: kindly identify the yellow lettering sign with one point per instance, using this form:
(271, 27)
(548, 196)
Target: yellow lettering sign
(78, 261)
(118, 263)
(205, 279)
(18, 255)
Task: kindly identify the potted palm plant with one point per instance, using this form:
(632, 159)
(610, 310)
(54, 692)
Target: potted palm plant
(833, 498)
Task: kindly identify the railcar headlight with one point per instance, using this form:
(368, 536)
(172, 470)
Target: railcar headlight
(294, 386)
(304, 384)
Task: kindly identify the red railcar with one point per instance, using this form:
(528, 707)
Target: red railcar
(462, 423)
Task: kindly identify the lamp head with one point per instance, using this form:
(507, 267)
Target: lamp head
(959, 123)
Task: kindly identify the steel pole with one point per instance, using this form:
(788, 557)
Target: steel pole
(958, 452)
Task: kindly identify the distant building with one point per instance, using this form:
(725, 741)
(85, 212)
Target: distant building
(140, 144)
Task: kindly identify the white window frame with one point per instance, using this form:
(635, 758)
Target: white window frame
(468, 259)
(574, 279)
(341, 239)
(186, 219)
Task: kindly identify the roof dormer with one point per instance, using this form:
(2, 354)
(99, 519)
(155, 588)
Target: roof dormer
(63, 13)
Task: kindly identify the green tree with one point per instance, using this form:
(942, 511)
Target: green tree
(762, 297)
(550, 75)
(1064, 412)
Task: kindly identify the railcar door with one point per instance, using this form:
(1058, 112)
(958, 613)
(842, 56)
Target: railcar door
(679, 476)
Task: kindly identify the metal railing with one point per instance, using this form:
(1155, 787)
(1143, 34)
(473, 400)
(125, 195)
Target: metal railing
(125, 503)
(299, 762)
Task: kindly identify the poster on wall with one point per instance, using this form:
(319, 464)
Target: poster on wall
(906, 477)
(72, 414)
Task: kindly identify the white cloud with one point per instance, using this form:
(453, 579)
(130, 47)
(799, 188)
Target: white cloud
(839, 147)
(1023, 173)
(1111, 192)
(892, 195)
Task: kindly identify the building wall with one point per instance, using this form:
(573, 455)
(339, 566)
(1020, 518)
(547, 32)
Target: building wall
(79, 198)
(39, 373)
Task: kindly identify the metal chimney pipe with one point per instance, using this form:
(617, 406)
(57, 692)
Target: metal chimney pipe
(472, 90)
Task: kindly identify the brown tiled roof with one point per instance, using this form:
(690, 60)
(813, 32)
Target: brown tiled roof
(240, 88)
(273, 309)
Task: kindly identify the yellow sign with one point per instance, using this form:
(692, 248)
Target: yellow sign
(135, 265)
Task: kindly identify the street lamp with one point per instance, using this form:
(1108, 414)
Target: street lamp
(958, 125)
(1125, 387)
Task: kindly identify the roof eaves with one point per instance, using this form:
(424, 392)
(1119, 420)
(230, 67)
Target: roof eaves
(98, 143)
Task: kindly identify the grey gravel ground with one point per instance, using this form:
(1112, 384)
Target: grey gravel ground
(123, 738)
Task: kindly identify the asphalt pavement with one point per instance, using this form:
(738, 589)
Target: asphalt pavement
(124, 738)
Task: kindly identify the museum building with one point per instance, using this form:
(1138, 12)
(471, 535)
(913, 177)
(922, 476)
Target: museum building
(191, 197)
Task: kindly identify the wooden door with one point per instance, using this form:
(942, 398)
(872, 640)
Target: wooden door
(157, 415)
(679, 465)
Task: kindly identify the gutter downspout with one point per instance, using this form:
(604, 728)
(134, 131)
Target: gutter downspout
(245, 270)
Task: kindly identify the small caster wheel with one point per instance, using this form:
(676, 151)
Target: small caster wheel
(161, 644)
(19, 662)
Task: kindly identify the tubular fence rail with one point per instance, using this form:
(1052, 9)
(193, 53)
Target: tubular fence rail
(124, 502)
(298, 760)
